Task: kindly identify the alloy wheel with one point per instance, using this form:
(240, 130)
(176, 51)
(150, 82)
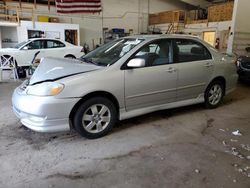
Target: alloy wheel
(215, 94)
(96, 118)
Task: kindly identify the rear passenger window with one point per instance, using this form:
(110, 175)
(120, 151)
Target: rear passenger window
(54, 44)
(188, 50)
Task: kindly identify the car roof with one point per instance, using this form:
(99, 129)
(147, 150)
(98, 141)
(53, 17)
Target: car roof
(159, 36)
(32, 39)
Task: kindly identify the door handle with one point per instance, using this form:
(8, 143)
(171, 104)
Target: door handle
(209, 65)
(171, 69)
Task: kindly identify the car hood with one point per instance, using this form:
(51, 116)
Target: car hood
(51, 69)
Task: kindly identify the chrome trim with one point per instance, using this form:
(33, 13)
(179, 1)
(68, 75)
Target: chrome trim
(189, 86)
(150, 93)
(167, 90)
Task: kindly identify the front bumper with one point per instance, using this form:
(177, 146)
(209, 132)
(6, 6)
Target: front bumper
(42, 114)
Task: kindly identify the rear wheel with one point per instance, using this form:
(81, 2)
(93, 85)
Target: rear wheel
(214, 94)
(95, 117)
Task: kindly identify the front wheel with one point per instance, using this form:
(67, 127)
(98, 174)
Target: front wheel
(214, 94)
(95, 117)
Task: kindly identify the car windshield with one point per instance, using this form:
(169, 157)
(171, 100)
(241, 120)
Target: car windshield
(111, 52)
(20, 44)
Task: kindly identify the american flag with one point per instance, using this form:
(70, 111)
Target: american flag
(78, 6)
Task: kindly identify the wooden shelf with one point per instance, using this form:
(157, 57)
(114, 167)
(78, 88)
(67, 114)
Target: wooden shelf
(215, 13)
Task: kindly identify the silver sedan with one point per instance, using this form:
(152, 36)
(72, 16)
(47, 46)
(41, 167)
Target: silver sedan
(123, 79)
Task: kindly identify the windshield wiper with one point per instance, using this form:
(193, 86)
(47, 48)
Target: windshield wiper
(88, 60)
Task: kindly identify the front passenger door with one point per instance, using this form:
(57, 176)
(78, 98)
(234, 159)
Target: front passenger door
(154, 84)
(30, 49)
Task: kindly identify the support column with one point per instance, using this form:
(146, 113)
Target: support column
(239, 37)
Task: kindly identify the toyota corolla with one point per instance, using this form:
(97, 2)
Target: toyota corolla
(125, 78)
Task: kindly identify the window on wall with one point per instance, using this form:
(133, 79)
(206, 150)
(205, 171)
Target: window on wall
(35, 34)
(209, 37)
(186, 50)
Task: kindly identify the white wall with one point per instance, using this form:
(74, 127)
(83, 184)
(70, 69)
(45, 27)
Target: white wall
(200, 28)
(242, 24)
(220, 29)
(212, 26)
(127, 14)
(43, 26)
(197, 29)
(0, 37)
(240, 31)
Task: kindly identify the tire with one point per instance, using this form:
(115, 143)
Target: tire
(70, 57)
(95, 117)
(214, 94)
(21, 72)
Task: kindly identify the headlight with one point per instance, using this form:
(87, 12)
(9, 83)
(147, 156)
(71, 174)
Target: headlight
(45, 89)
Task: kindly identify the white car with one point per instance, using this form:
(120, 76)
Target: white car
(23, 53)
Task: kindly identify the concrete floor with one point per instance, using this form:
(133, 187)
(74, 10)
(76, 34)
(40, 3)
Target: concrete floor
(184, 147)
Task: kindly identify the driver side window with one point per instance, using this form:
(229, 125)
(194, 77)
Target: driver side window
(38, 44)
(156, 53)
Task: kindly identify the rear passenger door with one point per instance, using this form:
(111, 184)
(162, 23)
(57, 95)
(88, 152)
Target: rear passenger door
(54, 48)
(195, 67)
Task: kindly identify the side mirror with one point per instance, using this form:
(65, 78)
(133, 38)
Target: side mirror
(25, 48)
(136, 63)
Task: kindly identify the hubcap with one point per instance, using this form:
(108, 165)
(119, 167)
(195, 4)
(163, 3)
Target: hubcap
(96, 118)
(215, 94)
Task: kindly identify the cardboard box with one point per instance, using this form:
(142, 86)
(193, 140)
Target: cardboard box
(54, 19)
(221, 12)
